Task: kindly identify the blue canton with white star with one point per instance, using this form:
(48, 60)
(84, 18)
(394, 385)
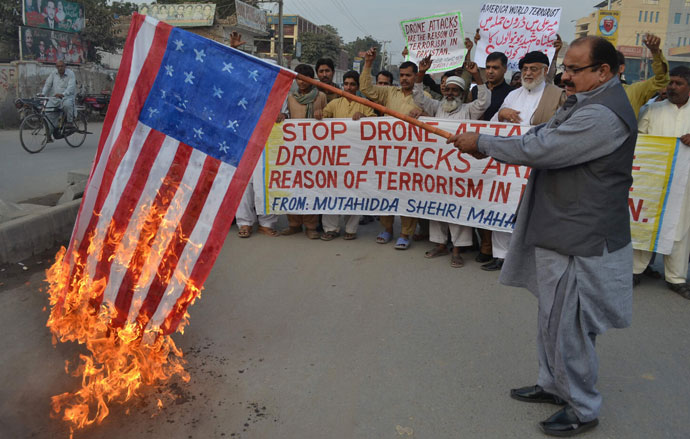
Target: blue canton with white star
(208, 96)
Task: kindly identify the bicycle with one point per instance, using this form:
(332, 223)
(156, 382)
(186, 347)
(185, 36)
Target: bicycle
(36, 127)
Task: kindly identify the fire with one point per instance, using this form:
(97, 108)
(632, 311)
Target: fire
(124, 357)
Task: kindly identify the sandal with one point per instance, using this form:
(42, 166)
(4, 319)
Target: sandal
(291, 230)
(312, 234)
(350, 236)
(384, 237)
(329, 236)
(402, 244)
(650, 272)
(268, 231)
(245, 232)
(436, 251)
(456, 261)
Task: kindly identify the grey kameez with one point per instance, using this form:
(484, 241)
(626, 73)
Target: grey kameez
(579, 296)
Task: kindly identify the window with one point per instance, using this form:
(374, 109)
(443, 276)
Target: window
(676, 19)
(687, 19)
(640, 17)
(656, 20)
(637, 40)
(678, 45)
(645, 16)
(685, 41)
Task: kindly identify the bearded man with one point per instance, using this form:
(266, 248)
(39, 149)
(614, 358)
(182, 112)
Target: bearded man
(532, 104)
(451, 107)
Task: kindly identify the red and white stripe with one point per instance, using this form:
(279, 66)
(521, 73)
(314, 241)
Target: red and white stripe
(151, 278)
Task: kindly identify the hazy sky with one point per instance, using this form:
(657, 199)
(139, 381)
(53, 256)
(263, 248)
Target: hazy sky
(381, 18)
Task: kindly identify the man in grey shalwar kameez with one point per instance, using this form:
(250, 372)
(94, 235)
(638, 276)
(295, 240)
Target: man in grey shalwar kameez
(571, 245)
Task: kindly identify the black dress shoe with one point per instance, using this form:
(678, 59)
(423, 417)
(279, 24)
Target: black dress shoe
(565, 423)
(483, 257)
(682, 289)
(494, 265)
(535, 394)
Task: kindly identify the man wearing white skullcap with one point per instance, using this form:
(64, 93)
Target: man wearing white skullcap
(451, 107)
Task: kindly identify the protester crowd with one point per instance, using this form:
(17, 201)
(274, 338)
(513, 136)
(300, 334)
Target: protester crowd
(531, 98)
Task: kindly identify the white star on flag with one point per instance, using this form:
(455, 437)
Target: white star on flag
(200, 55)
(189, 77)
(227, 67)
(223, 147)
(198, 132)
(217, 92)
(163, 94)
(253, 74)
(183, 102)
(169, 70)
(232, 124)
(152, 111)
(178, 45)
(242, 103)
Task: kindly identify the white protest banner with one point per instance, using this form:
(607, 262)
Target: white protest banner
(440, 36)
(660, 173)
(384, 166)
(516, 30)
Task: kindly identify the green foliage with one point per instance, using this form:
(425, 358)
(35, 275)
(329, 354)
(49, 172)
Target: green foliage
(99, 31)
(315, 46)
(353, 48)
(10, 18)
(123, 8)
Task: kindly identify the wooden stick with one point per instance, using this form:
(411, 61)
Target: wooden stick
(375, 106)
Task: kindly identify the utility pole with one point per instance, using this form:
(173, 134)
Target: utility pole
(280, 28)
(280, 32)
(384, 62)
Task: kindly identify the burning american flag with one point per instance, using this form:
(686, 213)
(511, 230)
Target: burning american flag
(187, 123)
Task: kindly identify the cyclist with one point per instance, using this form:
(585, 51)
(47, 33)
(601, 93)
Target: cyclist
(61, 87)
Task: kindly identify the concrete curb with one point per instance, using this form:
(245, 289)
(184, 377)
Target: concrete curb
(23, 237)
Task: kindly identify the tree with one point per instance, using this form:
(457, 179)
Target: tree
(353, 49)
(10, 18)
(123, 8)
(315, 46)
(332, 30)
(100, 30)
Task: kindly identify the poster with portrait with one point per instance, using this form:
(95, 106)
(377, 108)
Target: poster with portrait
(181, 14)
(51, 46)
(58, 15)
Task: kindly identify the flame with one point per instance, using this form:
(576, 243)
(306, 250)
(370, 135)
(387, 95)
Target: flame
(123, 358)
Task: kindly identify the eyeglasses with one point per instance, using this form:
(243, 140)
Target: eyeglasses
(533, 69)
(574, 70)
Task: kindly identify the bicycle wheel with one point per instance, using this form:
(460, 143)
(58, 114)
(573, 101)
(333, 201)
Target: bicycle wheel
(77, 137)
(33, 133)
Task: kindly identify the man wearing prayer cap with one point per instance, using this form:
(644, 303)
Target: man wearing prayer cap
(451, 107)
(532, 104)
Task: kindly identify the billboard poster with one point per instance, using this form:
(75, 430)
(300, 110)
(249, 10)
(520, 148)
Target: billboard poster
(250, 17)
(181, 14)
(607, 25)
(50, 46)
(59, 15)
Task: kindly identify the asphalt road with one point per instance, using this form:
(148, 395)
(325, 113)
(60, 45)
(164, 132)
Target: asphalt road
(295, 338)
(24, 176)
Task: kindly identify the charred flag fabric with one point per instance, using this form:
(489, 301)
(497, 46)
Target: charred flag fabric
(188, 120)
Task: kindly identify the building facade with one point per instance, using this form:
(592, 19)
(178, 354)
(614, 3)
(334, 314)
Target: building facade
(668, 19)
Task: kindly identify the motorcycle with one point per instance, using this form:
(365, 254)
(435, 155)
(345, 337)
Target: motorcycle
(96, 103)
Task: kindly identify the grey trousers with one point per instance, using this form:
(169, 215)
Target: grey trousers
(568, 362)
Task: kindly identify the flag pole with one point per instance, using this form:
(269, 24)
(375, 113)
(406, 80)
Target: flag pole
(377, 107)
